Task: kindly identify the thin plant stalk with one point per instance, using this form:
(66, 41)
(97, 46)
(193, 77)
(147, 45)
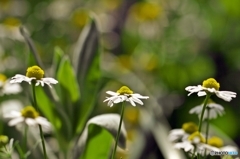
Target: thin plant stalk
(118, 133)
(40, 127)
(20, 151)
(207, 128)
(203, 110)
(193, 154)
(25, 138)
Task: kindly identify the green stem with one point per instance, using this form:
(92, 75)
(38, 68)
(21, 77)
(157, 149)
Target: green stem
(194, 150)
(34, 97)
(203, 110)
(40, 127)
(20, 151)
(43, 143)
(25, 138)
(207, 128)
(118, 133)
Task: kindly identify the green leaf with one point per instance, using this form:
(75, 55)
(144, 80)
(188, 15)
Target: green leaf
(87, 68)
(67, 79)
(99, 129)
(58, 118)
(47, 107)
(58, 55)
(97, 135)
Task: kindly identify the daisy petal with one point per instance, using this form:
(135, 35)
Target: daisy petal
(16, 121)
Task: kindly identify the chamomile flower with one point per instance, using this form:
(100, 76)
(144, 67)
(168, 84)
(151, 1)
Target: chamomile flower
(182, 134)
(213, 109)
(34, 75)
(124, 94)
(28, 116)
(7, 88)
(195, 140)
(211, 86)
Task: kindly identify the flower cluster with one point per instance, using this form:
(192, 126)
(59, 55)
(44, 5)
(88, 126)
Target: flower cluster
(190, 138)
(28, 116)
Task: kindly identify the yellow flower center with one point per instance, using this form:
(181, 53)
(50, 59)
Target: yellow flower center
(196, 135)
(3, 78)
(215, 141)
(125, 90)
(29, 112)
(190, 127)
(211, 83)
(35, 71)
(3, 140)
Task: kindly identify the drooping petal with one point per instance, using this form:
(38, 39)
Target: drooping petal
(176, 134)
(132, 102)
(112, 93)
(226, 95)
(15, 121)
(43, 121)
(193, 89)
(19, 78)
(139, 96)
(136, 100)
(49, 80)
(201, 93)
(30, 122)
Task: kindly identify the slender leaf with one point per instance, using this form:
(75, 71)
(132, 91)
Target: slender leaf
(68, 80)
(58, 55)
(87, 54)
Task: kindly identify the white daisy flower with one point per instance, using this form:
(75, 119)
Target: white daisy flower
(177, 135)
(195, 140)
(7, 88)
(124, 94)
(211, 86)
(213, 109)
(28, 116)
(34, 75)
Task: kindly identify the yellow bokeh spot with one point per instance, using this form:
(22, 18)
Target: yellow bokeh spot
(12, 22)
(111, 4)
(131, 115)
(80, 18)
(29, 112)
(35, 71)
(146, 11)
(215, 141)
(3, 78)
(190, 127)
(211, 83)
(125, 90)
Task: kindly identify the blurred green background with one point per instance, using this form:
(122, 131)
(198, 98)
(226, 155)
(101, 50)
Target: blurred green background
(168, 45)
